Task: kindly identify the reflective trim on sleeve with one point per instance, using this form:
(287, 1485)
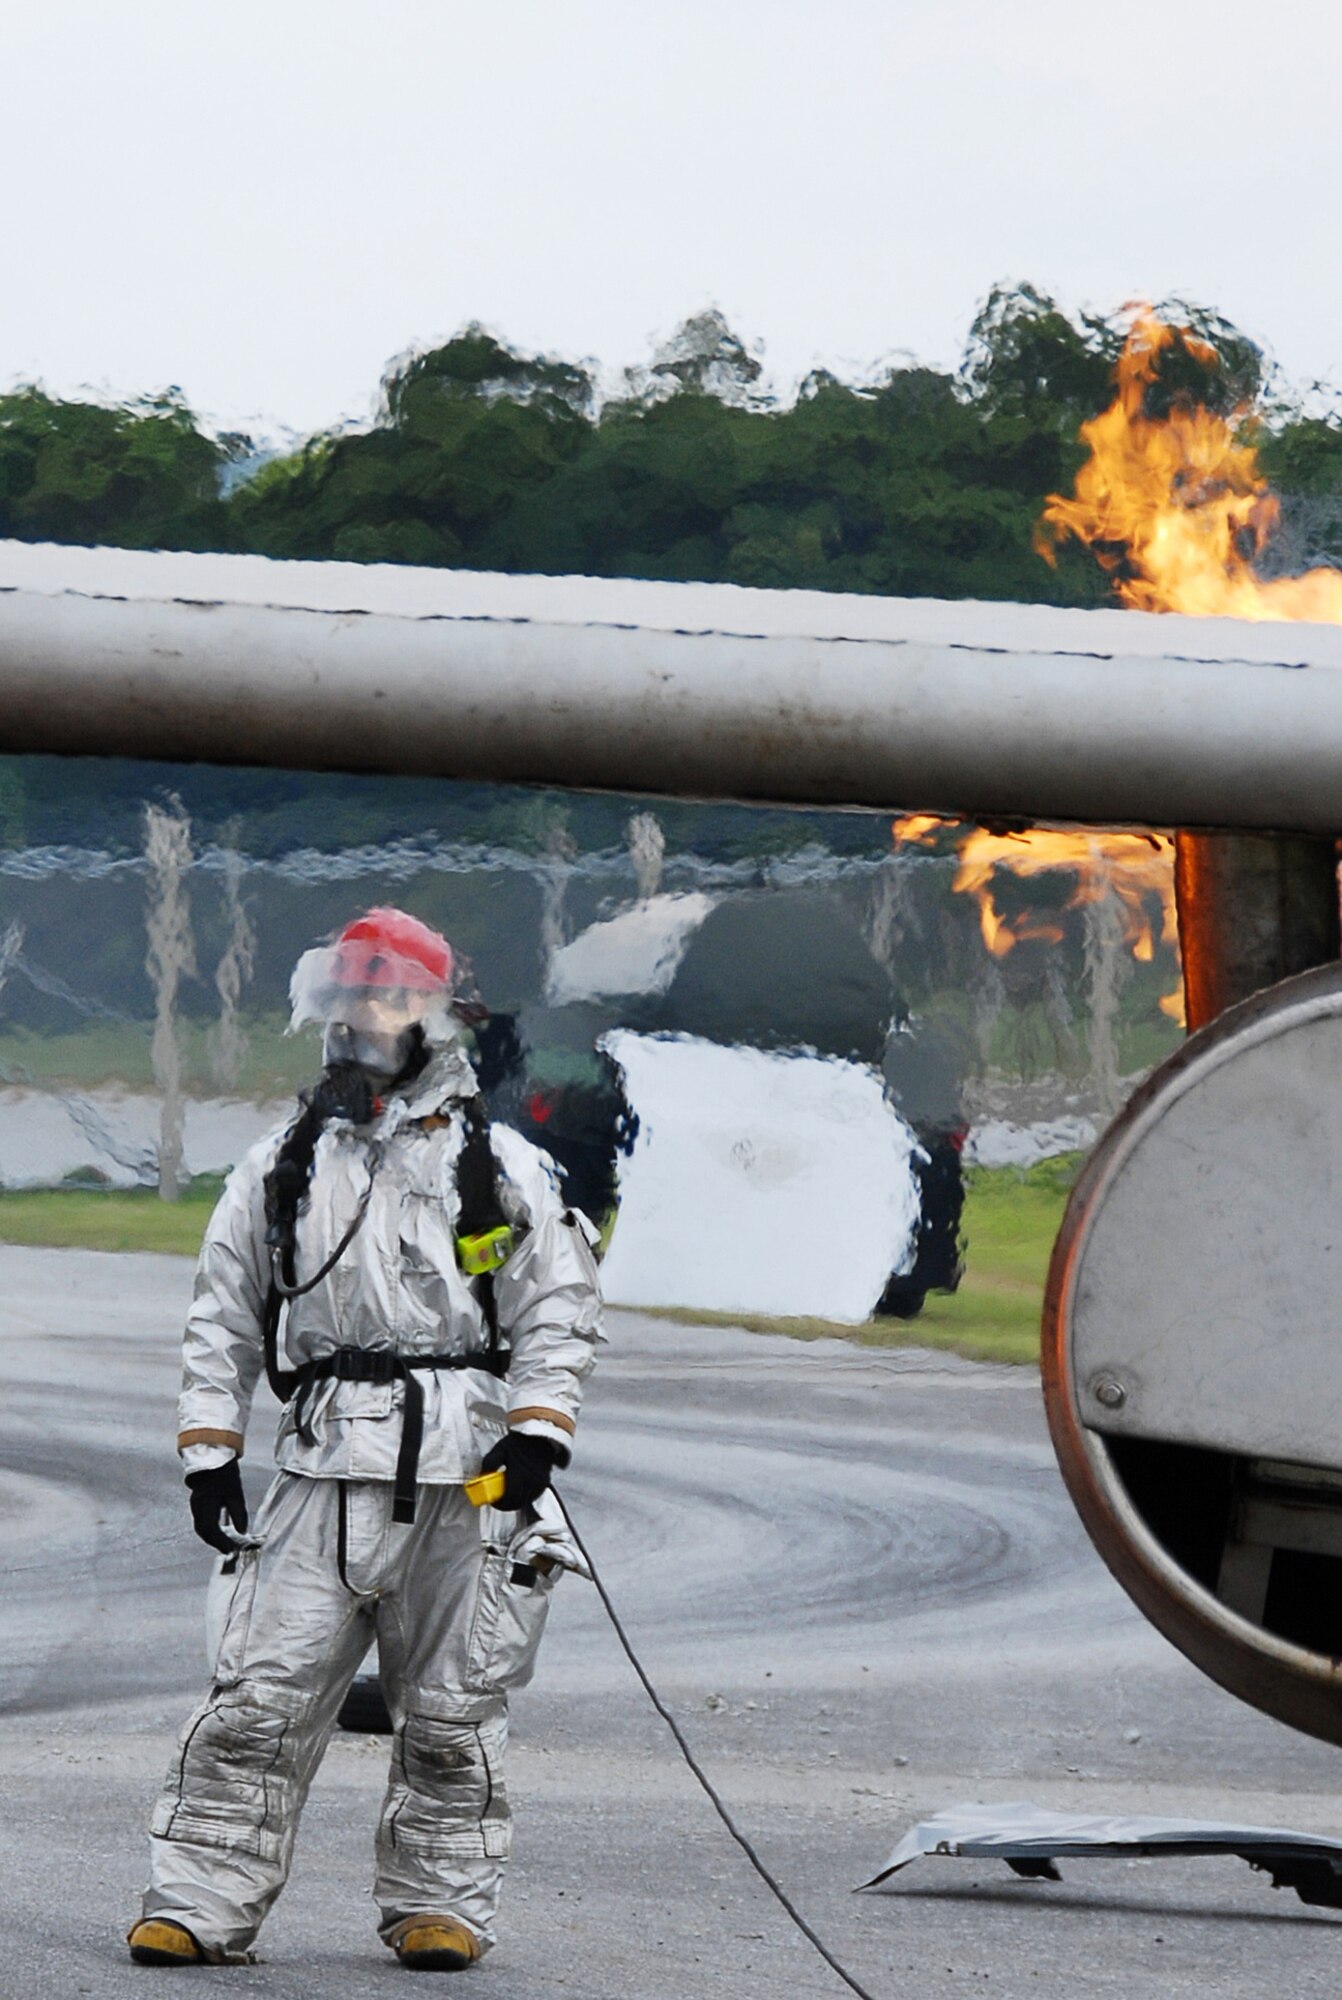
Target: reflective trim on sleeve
(231, 1439)
(534, 1412)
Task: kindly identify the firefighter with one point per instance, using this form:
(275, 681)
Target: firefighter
(427, 1309)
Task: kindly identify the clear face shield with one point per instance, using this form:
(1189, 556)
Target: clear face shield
(378, 1033)
(376, 1008)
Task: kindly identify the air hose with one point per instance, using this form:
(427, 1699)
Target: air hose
(769, 1880)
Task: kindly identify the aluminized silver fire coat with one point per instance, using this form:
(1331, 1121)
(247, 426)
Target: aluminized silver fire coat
(690, 690)
(397, 1285)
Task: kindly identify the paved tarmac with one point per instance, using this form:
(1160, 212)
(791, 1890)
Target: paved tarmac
(855, 1574)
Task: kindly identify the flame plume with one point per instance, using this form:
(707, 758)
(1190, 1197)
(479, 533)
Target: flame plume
(1175, 507)
(1134, 868)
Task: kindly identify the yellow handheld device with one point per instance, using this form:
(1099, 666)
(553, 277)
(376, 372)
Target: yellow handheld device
(486, 1252)
(486, 1489)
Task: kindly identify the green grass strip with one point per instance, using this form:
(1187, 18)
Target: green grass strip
(109, 1218)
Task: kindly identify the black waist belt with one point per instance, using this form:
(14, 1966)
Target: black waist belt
(382, 1364)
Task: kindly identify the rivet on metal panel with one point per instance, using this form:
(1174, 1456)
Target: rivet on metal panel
(1108, 1392)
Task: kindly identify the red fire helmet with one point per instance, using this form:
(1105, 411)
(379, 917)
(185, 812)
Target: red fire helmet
(382, 952)
(387, 947)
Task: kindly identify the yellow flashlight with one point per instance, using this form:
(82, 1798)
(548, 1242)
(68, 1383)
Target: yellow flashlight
(486, 1489)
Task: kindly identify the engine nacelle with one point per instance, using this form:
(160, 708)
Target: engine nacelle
(1192, 1350)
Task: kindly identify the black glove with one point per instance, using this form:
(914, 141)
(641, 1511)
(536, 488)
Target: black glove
(526, 1464)
(216, 1494)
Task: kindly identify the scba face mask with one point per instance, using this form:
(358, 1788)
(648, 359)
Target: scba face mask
(381, 992)
(385, 1054)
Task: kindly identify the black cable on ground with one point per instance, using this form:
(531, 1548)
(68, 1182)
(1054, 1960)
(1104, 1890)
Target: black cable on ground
(769, 1881)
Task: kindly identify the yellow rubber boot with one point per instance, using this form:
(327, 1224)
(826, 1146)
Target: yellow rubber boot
(434, 1944)
(154, 1941)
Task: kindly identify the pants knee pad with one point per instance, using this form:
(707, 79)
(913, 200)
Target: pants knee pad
(447, 1793)
(232, 1782)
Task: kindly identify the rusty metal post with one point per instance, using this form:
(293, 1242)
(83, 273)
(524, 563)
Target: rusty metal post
(1253, 908)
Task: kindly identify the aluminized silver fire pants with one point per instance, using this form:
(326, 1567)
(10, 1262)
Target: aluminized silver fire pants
(455, 1629)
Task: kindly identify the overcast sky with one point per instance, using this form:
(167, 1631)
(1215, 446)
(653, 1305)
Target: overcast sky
(264, 202)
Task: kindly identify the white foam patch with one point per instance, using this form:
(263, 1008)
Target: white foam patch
(637, 952)
(759, 1182)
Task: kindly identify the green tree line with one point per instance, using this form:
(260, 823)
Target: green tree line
(920, 482)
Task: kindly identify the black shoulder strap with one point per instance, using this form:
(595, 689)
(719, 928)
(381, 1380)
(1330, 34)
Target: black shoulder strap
(285, 1188)
(479, 1207)
(283, 1381)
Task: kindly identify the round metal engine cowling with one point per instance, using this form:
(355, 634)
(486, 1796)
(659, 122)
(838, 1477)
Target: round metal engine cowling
(1192, 1350)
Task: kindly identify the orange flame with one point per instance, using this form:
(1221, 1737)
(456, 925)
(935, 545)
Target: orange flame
(1175, 507)
(1133, 867)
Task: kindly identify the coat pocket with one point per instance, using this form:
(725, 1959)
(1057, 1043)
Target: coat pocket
(228, 1612)
(511, 1607)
